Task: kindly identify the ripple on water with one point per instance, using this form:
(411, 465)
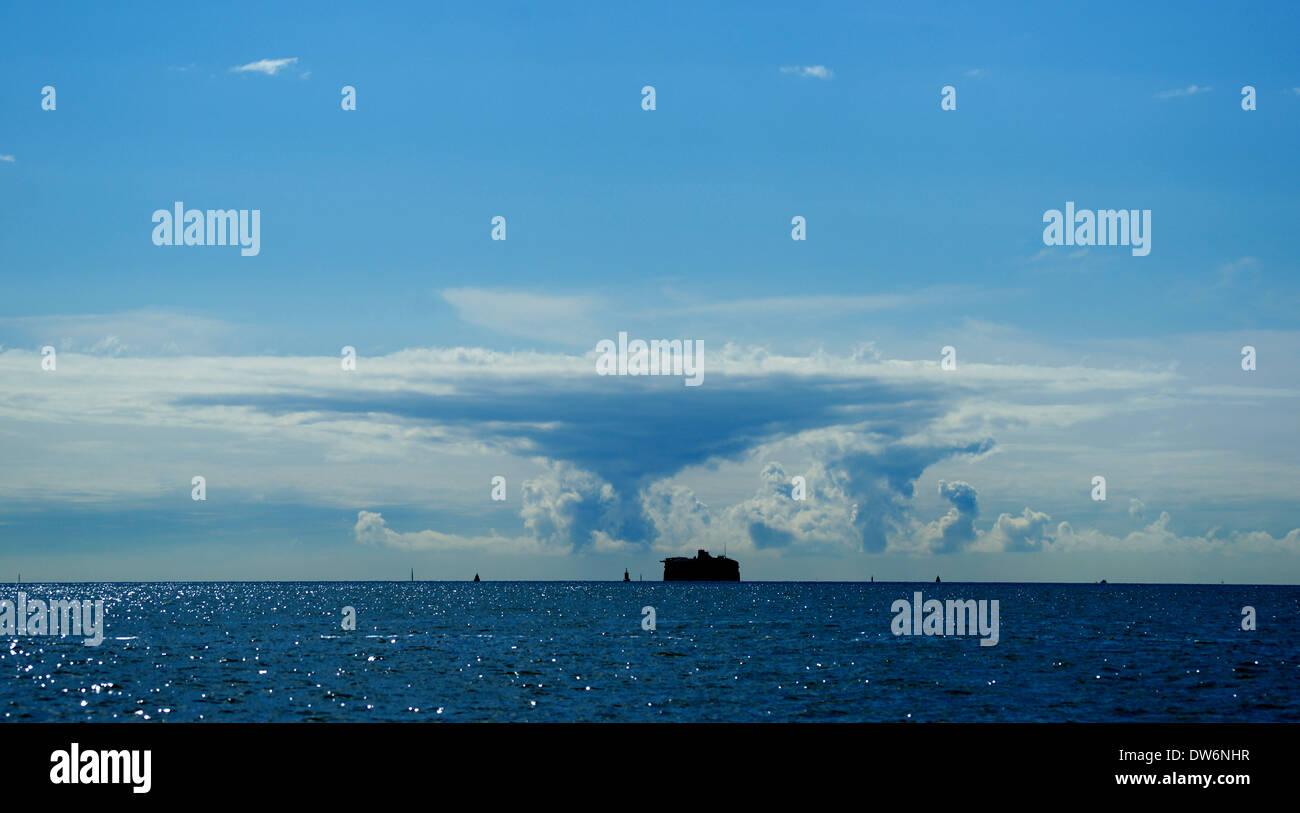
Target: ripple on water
(575, 651)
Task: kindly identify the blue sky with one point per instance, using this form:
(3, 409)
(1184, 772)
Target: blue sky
(924, 230)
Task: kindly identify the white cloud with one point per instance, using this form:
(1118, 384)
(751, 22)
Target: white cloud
(8, 159)
(117, 426)
(371, 529)
(1158, 538)
(581, 320)
(809, 71)
(1232, 271)
(270, 67)
(820, 305)
(1190, 90)
(559, 319)
(1022, 533)
(132, 333)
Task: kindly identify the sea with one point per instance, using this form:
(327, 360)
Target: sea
(583, 652)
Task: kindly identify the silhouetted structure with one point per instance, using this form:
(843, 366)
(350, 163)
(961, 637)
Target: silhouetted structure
(626, 577)
(936, 579)
(703, 568)
(475, 577)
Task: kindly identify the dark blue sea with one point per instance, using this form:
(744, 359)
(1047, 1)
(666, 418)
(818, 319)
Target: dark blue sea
(576, 651)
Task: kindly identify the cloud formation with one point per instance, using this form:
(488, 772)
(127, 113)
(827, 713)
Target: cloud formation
(1190, 90)
(809, 71)
(610, 463)
(269, 67)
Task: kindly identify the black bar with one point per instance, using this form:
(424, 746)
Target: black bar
(331, 762)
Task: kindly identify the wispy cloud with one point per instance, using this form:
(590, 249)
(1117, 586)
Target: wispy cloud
(538, 316)
(975, 72)
(270, 67)
(576, 320)
(1190, 90)
(134, 333)
(809, 71)
(8, 159)
(1231, 272)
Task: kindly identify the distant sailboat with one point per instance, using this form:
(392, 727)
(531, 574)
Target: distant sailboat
(936, 579)
(476, 577)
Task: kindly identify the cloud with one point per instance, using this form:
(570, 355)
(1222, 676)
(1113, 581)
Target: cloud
(1023, 533)
(823, 305)
(628, 432)
(270, 67)
(821, 523)
(857, 501)
(581, 320)
(1231, 272)
(1031, 531)
(975, 72)
(1158, 538)
(569, 506)
(1190, 90)
(555, 319)
(809, 71)
(371, 529)
(955, 530)
(603, 464)
(132, 333)
(7, 159)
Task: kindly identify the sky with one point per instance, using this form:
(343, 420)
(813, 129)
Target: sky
(477, 358)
